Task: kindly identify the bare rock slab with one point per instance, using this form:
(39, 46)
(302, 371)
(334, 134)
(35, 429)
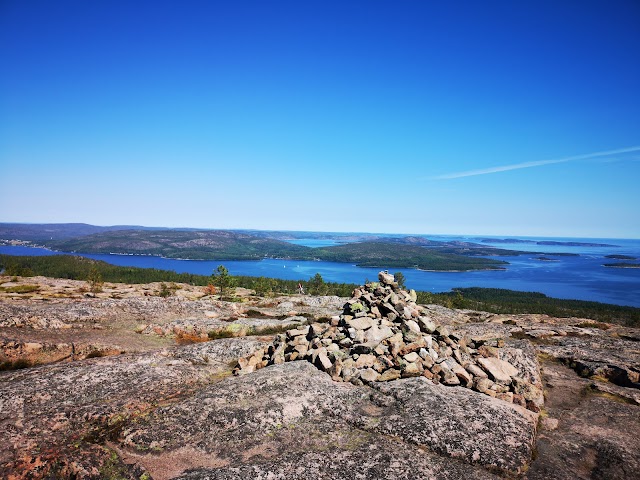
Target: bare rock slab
(377, 458)
(460, 423)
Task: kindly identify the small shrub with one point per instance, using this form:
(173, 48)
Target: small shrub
(15, 364)
(95, 280)
(95, 354)
(165, 291)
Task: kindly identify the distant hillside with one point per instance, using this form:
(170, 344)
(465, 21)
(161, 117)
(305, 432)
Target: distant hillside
(196, 245)
(57, 231)
(227, 245)
(384, 252)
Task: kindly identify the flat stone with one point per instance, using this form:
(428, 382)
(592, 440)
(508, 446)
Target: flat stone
(391, 374)
(460, 372)
(361, 323)
(499, 370)
(412, 357)
(476, 371)
(298, 331)
(377, 334)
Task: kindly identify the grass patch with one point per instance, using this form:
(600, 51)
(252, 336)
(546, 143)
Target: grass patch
(218, 334)
(185, 338)
(20, 289)
(593, 390)
(270, 330)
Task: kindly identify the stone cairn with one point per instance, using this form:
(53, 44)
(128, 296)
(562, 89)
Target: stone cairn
(384, 335)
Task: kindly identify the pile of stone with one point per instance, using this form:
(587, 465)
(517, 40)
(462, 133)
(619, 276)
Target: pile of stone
(384, 335)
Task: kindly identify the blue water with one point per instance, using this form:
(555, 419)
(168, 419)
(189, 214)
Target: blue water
(581, 277)
(313, 242)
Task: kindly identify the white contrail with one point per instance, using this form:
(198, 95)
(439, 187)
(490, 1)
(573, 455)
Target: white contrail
(517, 166)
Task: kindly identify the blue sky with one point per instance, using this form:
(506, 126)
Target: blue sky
(337, 116)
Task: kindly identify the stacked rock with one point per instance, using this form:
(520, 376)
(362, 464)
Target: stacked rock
(384, 335)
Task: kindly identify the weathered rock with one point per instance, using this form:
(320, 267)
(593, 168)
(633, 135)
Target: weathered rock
(426, 325)
(499, 370)
(460, 423)
(369, 375)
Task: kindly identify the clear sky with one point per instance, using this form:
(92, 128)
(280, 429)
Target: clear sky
(483, 117)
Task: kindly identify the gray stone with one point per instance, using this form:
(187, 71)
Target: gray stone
(460, 423)
(369, 375)
(377, 334)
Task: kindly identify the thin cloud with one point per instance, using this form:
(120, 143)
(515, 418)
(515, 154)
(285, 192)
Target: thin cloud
(518, 166)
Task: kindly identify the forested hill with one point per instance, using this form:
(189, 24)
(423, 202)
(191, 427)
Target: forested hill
(230, 245)
(392, 255)
(195, 245)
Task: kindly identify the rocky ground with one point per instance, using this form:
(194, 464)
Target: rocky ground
(126, 384)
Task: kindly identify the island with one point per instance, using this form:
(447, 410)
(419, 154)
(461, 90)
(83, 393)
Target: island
(547, 259)
(622, 265)
(552, 243)
(620, 257)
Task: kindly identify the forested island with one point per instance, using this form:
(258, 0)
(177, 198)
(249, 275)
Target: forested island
(545, 242)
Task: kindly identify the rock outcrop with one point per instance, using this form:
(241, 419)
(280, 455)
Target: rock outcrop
(384, 335)
(163, 411)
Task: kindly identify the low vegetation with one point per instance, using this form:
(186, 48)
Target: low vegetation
(485, 299)
(498, 300)
(20, 289)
